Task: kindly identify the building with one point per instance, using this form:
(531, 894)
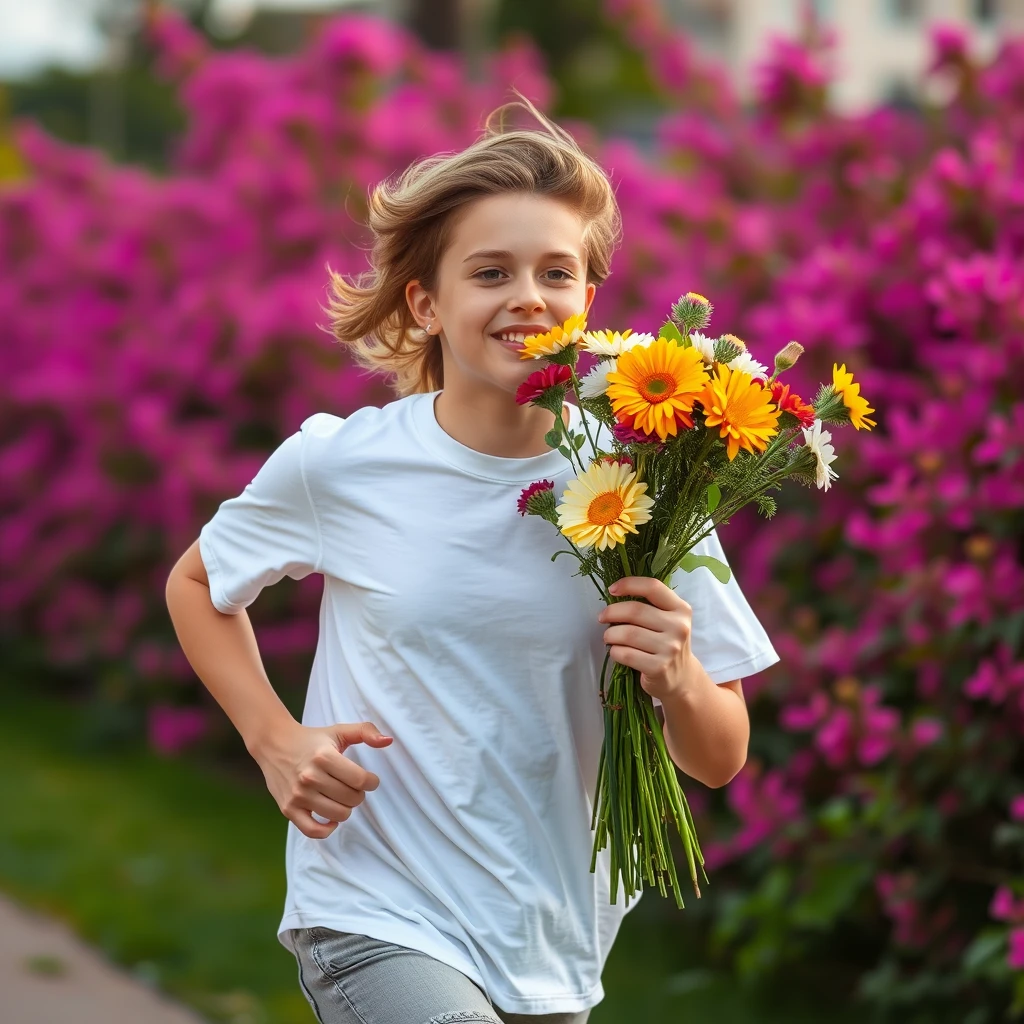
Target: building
(882, 45)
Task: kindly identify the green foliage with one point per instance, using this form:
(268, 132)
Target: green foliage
(176, 872)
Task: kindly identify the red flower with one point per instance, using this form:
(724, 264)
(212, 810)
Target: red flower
(534, 488)
(792, 403)
(630, 435)
(537, 383)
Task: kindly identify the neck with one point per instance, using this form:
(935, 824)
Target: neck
(490, 422)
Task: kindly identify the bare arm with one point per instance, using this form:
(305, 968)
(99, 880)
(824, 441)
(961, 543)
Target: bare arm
(222, 650)
(707, 730)
(305, 769)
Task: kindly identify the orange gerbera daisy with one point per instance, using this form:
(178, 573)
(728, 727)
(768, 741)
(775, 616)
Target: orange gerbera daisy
(790, 402)
(653, 387)
(743, 409)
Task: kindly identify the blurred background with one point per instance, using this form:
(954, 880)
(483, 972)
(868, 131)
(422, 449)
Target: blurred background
(847, 173)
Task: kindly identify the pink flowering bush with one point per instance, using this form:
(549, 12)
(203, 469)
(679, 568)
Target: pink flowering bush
(161, 336)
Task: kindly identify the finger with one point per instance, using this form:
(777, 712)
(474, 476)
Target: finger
(344, 770)
(309, 826)
(314, 781)
(632, 658)
(660, 595)
(361, 732)
(637, 637)
(340, 793)
(332, 810)
(637, 612)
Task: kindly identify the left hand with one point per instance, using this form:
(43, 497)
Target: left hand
(653, 637)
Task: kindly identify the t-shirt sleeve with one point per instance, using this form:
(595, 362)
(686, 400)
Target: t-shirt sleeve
(726, 635)
(267, 532)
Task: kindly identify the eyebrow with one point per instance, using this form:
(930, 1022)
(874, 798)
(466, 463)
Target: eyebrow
(504, 254)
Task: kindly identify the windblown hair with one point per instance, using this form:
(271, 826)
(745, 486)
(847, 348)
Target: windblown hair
(412, 218)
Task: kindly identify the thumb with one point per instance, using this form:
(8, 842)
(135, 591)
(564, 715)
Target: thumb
(361, 732)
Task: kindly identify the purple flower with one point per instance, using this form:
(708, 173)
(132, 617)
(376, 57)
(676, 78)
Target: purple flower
(171, 729)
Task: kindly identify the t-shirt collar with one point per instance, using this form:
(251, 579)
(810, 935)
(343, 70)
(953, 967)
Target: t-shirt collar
(491, 467)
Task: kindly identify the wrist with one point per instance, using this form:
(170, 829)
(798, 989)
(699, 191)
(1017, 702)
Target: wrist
(265, 734)
(692, 685)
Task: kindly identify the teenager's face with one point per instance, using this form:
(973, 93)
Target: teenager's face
(514, 266)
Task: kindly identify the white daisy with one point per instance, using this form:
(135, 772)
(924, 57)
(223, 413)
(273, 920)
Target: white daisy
(704, 345)
(612, 343)
(818, 441)
(748, 364)
(639, 340)
(595, 383)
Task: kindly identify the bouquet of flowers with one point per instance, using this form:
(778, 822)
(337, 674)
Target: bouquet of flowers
(691, 429)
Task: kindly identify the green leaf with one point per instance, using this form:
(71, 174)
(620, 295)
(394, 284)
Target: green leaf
(833, 890)
(553, 436)
(714, 497)
(565, 451)
(989, 945)
(718, 568)
(660, 561)
(669, 330)
(577, 441)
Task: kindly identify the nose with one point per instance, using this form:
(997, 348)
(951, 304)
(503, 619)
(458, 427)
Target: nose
(526, 297)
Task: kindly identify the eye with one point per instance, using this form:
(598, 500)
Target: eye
(558, 270)
(489, 270)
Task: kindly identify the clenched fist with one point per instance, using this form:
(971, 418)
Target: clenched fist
(307, 772)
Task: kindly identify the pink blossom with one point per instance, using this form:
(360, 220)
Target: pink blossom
(926, 731)
(171, 729)
(1015, 952)
(835, 739)
(1004, 907)
(799, 717)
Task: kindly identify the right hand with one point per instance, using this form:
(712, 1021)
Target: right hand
(306, 771)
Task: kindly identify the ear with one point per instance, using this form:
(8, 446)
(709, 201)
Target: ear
(591, 292)
(421, 305)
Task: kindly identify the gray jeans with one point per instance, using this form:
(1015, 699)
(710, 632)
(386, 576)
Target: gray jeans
(352, 979)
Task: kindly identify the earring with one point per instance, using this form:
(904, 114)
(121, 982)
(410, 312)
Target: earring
(429, 324)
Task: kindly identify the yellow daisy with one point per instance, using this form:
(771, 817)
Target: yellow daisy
(743, 409)
(654, 386)
(857, 406)
(602, 505)
(559, 337)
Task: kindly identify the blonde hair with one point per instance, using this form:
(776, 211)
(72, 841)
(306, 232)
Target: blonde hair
(412, 218)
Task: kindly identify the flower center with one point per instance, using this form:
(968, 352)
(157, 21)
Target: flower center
(656, 387)
(605, 509)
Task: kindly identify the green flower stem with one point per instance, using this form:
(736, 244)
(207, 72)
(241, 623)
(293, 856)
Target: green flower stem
(625, 559)
(575, 381)
(684, 499)
(638, 793)
(593, 579)
(567, 437)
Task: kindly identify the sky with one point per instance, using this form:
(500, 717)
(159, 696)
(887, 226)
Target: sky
(38, 33)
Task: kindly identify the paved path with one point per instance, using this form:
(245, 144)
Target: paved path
(49, 976)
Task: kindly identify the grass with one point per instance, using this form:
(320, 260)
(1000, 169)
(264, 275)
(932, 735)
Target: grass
(177, 873)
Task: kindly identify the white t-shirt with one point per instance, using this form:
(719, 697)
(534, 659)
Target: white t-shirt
(446, 624)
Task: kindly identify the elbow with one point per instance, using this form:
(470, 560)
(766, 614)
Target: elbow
(723, 779)
(719, 782)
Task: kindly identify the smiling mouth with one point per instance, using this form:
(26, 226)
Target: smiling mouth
(515, 338)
